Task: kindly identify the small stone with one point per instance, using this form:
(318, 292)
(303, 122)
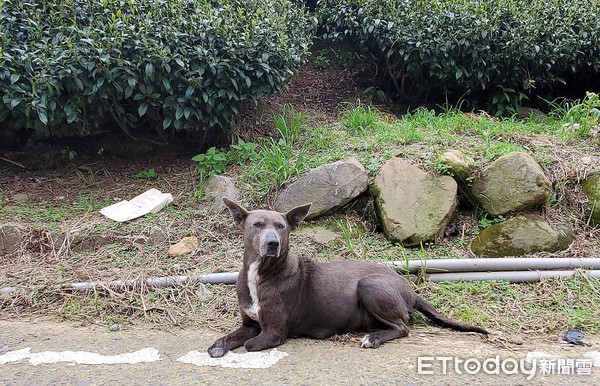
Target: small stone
(20, 197)
(114, 328)
(459, 163)
(157, 235)
(530, 112)
(186, 246)
(516, 339)
(586, 160)
(11, 237)
(217, 188)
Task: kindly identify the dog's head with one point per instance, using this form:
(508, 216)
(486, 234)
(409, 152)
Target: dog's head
(266, 232)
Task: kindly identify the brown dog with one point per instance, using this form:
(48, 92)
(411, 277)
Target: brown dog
(285, 296)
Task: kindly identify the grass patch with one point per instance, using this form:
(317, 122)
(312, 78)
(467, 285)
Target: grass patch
(542, 308)
(374, 137)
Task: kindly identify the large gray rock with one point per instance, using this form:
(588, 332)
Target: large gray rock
(414, 206)
(218, 187)
(11, 237)
(520, 236)
(591, 187)
(512, 183)
(327, 187)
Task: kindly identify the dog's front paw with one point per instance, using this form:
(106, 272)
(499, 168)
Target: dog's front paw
(253, 345)
(216, 351)
(261, 343)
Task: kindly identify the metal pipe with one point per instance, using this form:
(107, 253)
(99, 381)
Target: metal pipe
(515, 270)
(493, 264)
(511, 276)
(156, 282)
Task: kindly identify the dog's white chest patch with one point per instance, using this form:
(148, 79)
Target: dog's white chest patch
(253, 279)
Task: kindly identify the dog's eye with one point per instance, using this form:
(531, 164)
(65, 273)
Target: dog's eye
(279, 225)
(259, 225)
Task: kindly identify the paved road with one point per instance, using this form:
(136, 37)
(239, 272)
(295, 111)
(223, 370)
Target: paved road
(309, 362)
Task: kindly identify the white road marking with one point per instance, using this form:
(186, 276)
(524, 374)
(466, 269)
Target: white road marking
(80, 357)
(249, 360)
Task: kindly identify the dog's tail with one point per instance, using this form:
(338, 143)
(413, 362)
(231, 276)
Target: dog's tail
(438, 318)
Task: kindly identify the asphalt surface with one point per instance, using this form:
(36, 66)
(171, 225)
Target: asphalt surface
(309, 362)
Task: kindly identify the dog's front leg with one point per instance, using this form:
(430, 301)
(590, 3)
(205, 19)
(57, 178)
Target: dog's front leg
(233, 340)
(271, 335)
(264, 341)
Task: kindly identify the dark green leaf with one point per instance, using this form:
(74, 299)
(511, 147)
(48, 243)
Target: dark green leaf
(143, 107)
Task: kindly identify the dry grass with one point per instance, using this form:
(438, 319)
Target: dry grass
(68, 241)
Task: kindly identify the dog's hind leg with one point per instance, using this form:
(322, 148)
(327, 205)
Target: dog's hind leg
(233, 340)
(382, 299)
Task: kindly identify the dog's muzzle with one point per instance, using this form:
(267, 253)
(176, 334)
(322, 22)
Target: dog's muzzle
(270, 245)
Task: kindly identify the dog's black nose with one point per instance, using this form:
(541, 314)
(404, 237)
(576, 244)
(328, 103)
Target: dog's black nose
(273, 243)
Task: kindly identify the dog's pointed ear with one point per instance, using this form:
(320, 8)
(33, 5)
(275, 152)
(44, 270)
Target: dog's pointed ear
(238, 212)
(296, 215)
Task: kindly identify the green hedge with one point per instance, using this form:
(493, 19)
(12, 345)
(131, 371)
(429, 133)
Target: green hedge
(501, 50)
(78, 67)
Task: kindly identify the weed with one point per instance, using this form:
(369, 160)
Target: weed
(373, 93)
(577, 116)
(542, 307)
(321, 60)
(283, 158)
(493, 148)
(148, 174)
(87, 177)
(442, 167)
(486, 222)
(90, 202)
(214, 161)
(39, 216)
(289, 124)
(360, 119)
(350, 231)
(402, 133)
(507, 101)
(68, 154)
(242, 152)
